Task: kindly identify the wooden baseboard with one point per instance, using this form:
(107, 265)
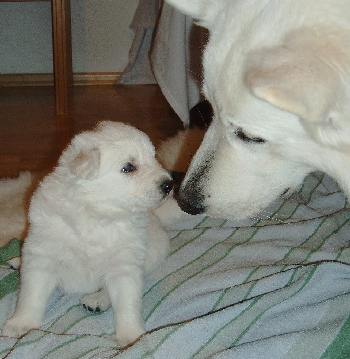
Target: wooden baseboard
(79, 79)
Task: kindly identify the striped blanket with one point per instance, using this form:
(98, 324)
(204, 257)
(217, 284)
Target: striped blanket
(269, 288)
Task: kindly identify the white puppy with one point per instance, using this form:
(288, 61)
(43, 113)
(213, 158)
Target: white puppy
(91, 228)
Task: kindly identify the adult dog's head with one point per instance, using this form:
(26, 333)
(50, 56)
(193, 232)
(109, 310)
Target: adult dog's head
(277, 76)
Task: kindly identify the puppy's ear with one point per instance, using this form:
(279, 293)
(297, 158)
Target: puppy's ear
(86, 164)
(301, 82)
(202, 11)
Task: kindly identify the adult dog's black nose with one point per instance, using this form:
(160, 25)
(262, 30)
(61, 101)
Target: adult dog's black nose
(190, 202)
(167, 186)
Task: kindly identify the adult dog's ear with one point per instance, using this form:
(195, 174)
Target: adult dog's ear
(86, 164)
(292, 82)
(304, 83)
(200, 10)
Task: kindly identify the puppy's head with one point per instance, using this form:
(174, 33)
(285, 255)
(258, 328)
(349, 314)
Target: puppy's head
(114, 166)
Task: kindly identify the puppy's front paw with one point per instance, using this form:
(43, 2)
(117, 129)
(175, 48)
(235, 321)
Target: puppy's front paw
(127, 336)
(96, 302)
(16, 327)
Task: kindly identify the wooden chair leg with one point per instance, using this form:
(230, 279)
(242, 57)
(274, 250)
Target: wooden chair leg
(62, 53)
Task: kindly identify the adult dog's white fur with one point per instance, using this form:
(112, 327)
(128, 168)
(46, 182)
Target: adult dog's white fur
(92, 228)
(277, 71)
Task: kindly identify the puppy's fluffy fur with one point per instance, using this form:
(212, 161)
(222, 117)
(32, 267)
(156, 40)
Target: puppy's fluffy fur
(92, 228)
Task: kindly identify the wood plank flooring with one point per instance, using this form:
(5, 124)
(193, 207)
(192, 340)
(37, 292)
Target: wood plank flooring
(32, 137)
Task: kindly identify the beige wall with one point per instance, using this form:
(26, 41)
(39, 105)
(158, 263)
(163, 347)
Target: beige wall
(101, 36)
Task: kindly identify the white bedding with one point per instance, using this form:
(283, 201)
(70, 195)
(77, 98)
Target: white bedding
(277, 288)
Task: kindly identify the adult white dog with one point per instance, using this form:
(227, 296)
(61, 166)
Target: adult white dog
(91, 228)
(277, 74)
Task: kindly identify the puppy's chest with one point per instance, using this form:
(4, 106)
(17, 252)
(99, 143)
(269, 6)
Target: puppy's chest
(93, 254)
(102, 241)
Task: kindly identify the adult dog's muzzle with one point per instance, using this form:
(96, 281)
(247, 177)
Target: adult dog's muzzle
(190, 202)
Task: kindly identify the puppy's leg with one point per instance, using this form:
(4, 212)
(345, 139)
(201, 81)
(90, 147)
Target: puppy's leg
(96, 302)
(125, 292)
(157, 245)
(36, 288)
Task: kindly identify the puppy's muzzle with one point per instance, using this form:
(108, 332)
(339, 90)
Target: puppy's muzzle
(166, 186)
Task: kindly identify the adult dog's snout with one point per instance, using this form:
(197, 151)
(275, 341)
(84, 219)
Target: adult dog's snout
(190, 202)
(166, 186)
(190, 196)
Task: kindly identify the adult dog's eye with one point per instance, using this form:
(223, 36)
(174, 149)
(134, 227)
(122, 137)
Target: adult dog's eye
(128, 168)
(242, 136)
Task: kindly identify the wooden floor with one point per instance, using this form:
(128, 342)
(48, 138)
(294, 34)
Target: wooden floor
(32, 137)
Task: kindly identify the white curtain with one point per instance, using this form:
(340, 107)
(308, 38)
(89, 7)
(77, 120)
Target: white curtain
(167, 50)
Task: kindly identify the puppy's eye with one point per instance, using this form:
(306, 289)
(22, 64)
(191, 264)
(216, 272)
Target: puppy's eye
(242, 136)
(128, 168)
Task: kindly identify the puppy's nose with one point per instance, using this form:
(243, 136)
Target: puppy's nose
(167, 186)
(177, 178)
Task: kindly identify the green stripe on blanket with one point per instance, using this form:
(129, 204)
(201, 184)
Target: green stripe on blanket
(11, 250)
(340, 348)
